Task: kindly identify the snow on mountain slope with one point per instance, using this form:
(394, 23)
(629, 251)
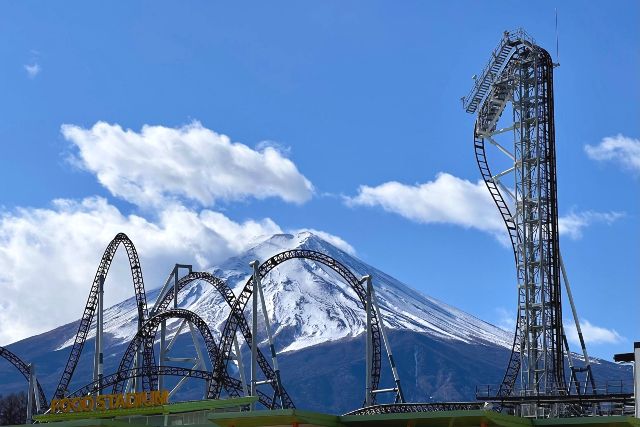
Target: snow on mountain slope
(308, 303)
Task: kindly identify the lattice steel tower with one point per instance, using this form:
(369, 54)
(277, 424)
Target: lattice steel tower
(520, 75)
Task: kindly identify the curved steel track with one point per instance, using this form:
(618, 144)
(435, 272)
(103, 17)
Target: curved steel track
(403, 408)
(124, 375)
(230, 298)
(491, 109)
(219, 355)
(513, 366)
(92, 302)
(233, 322)
(21, 366)
(146, 337)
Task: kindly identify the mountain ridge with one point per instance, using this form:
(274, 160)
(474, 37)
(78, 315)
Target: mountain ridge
(318, 326)
(287, 289)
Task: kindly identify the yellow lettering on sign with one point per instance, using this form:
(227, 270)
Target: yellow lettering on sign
(132, 400)
(119, 402)
(86, 404)
(101, 403)
(106, 402)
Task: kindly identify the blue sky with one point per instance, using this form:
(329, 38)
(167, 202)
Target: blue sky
(342, 95)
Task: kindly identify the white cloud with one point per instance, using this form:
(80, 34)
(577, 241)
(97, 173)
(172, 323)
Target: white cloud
(447, 200)
(592, 334)
(32, 69)
(619, 148)
(506, 319)
(190, 162)
(574, 223)
(452, 200)
(336, 241)
(48, 257)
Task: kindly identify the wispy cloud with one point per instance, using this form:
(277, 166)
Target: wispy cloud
(505, 319)
(620, 149)
(574, 223)
(452, 200)
(32, 69)
(336, 241)
(592, 334)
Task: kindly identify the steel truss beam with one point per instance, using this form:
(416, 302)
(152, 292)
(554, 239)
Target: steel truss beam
(219, 356)
(404, 408)
(146, 336)
(170, 371)
(92, 305)
(245, 330)
(521, 73)
(234, 321)
(26, 372)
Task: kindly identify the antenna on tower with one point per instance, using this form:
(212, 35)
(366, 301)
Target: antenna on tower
(557, 64)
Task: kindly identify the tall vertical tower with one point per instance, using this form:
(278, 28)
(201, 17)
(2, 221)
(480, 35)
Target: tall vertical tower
(519, 77)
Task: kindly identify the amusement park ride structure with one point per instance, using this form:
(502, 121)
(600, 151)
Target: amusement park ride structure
(518, 77)
(138, 370)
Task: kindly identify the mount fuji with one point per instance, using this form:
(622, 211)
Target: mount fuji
(318, 325)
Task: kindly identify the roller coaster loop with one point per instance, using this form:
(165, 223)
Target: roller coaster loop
(91, 306)
(237, 310)
(245, 330)
(146, 336)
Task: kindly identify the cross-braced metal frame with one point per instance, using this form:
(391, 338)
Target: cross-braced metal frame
(520, 75)
(166, 298)
(375, 335)
(93, 303)
(138, 367)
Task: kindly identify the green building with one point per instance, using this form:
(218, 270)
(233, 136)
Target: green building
(232, 413)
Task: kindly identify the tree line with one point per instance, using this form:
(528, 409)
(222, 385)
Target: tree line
(13, 409)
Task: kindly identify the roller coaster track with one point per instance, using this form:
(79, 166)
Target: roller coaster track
(122, 376)
(403, 408)
(147, 334)
(91, 306)
(233, 322)
(495, 89)
(493, 110)
(219, 356)
(21, 366)
(146, 337)
(230, 299)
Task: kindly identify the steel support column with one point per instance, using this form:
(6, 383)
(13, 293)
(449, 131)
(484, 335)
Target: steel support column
(98, 367)
(368, 399)
(32, 394)
(254, 330)
(520, 76)
(394, 370)
(272, 348)
(636, 376)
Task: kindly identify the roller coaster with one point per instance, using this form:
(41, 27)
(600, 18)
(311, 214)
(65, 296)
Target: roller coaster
(139, 370)
(518, 76)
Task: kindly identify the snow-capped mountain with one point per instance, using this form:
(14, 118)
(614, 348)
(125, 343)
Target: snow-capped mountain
(308, 303)
(318, 323)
